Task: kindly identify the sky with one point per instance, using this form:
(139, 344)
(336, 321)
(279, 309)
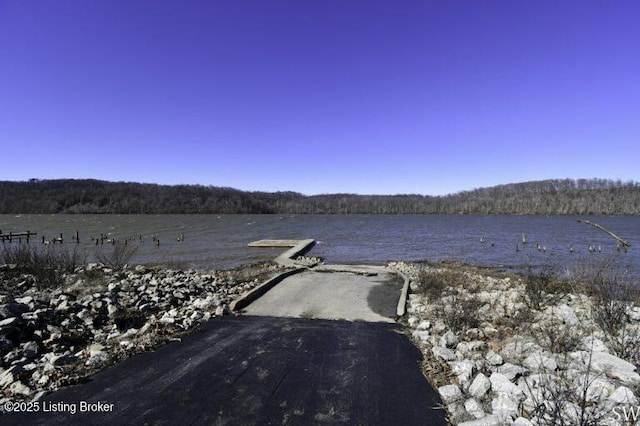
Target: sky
(358, 96)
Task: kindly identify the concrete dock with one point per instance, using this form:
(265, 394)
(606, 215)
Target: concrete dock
(296, 248)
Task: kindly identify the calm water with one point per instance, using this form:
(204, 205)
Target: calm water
(220, 241)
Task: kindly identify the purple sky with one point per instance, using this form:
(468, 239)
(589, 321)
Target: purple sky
(363, 96)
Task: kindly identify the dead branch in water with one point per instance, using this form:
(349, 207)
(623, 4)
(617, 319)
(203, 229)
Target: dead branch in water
(595, 225)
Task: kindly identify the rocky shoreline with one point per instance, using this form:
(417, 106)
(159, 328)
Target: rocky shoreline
(502, 351)
(500, 348)
(55, 337)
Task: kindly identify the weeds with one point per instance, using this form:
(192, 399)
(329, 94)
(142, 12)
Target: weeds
(543, 288)
(614, 298)
(556, 397)
(46, 264)
(558, 338)
(554, 400)
(118, 256)
(434, 283)
(461, 313)
(256, 271)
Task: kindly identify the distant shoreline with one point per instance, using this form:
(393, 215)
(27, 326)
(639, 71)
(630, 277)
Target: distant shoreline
(564, 197)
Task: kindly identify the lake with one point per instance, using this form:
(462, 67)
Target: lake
(220, 241)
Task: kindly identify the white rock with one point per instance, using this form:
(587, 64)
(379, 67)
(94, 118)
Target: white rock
(167, 320)
(19, 388)
(97, 358)
(504, 407)
(202, 303)
(424, 325)
(473, 333)
(449, 339)
(412, 321)
(624, 395)
(536, 387)
(610, 365)
(538, 361)
(422, 335)
(480, 386)
(494, 358)
(521, 421)
(474, 408)
(29, 316)
(95, 348)
(30, 348)
(450, 393)
(6, 377)
(8, 321)
(501, 385)
(112, 310)
(469, 347)
(567, 314)
(64, 359)
(592, 343)
(511, 371)
(485, 421)
(597, 389)
(113, 334)
(519, 349)
(490, 331)
(456, 411)
(30, 367)
(570, 413)
(444, 353)
(485, 296)
(463, 369)
(144, 328)
(24, 300)
(63, 306)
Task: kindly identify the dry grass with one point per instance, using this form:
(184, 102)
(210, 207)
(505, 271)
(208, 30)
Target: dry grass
(47, 264)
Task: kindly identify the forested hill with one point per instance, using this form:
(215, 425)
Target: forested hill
(567, 196)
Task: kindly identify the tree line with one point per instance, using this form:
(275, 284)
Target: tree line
(547, 197)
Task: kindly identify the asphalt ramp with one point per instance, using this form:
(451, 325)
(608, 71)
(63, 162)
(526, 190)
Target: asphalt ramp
(257, 370)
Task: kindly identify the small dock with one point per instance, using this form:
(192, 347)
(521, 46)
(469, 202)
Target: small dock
(16, 235)
(296, 248)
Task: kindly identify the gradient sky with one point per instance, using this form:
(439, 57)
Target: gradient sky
(362, 96)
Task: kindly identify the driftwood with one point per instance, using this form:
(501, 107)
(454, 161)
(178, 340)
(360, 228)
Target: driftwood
(624, 242)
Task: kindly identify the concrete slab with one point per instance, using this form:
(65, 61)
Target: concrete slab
(297, 248)
(333, 295)
(274, 243)
(370, 270)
